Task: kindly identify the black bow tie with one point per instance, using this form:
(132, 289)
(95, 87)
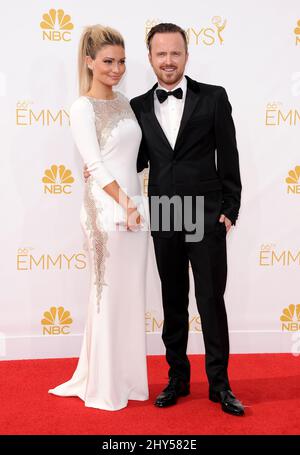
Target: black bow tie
(162, 95)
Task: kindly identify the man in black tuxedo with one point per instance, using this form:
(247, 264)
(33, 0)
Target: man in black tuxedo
(189, 142)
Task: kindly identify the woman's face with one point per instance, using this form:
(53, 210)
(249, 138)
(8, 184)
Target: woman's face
(109, 65)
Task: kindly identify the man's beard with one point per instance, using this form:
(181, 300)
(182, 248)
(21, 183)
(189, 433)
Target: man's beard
(171, 78)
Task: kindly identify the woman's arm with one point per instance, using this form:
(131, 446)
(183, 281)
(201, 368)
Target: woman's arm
(82, 119)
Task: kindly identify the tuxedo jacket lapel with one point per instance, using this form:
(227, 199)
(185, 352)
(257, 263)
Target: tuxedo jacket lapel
(191, 101)
(151, 119)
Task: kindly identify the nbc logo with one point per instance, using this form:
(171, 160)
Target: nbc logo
(293, 181)
(56, 321)
(57, 180)
(297, 32)
(56, 25)
(290, 318)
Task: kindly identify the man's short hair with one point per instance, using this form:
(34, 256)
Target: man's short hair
(166, 28)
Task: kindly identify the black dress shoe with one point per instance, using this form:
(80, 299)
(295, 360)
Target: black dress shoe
(229, 402)
(176, 388)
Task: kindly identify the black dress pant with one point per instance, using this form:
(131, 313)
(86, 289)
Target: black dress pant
(209, 265)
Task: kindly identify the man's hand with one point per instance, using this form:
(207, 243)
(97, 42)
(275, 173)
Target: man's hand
(86, 173)
(224, 219)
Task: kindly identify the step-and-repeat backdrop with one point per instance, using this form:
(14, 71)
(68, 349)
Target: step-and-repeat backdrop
(250, 48)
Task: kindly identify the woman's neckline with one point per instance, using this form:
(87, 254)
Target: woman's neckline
(102, 99)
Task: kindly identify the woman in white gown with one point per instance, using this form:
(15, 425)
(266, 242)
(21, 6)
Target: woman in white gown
(112, 366)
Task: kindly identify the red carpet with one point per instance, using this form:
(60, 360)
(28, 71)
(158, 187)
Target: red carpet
(268, 384)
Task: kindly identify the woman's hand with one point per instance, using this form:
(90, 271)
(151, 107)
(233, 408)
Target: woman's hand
(86, 173)
(133, 219)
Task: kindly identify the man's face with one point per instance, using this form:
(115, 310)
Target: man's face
(168, 57)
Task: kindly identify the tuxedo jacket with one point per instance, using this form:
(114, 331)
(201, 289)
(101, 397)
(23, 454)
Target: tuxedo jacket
(204, 160)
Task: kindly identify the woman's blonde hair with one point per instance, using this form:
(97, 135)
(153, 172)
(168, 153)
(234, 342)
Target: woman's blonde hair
(94, 38)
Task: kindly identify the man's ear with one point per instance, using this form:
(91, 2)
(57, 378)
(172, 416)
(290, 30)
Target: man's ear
(149, 57)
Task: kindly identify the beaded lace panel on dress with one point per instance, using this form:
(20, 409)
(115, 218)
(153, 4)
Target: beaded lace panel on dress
(108, 113)
(98, 239)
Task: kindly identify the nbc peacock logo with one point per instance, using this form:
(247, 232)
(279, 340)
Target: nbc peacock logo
(293, 181)
(297, 33)
(290, 318)
(56, 321)
(56, 25)
(57, 180)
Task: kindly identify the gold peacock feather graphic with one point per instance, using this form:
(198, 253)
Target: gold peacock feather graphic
(58, 174)
(297, 29)
(57, 315)
(56, 18)
(289, 313)
(293, 175)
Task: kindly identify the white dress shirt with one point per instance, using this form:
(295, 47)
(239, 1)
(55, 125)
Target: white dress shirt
(169, 113)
